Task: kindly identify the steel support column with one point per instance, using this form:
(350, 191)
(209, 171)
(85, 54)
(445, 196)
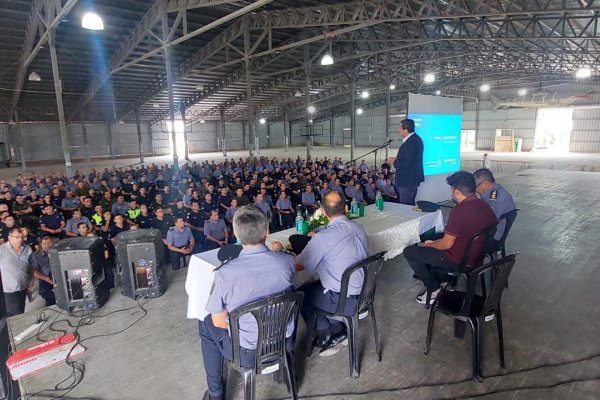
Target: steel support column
(169, 72)
(249, 90)
(223, 139)
(286, 129)
(352, 118)
(139, 135)
(309, 127)
(59, 102)
(185, 136)
(388, 105)
(332, 131)
(109, 136)
(85, 140)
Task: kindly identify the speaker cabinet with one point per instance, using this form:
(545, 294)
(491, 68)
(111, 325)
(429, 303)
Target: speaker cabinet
(78, 270)
(140, 263)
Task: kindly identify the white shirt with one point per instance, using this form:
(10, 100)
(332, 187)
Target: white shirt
(406, 138)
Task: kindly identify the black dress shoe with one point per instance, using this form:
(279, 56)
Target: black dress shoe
(321, 340)
(334, 345)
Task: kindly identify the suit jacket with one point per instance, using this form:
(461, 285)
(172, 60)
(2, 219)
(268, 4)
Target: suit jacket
(409, 163)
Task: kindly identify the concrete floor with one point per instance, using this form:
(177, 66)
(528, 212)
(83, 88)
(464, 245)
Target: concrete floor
(549, 316)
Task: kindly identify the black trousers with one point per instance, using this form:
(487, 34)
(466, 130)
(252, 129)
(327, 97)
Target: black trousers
(423, 260)
(406, 195)
(47, 293)
(316, 298)
(15, 302)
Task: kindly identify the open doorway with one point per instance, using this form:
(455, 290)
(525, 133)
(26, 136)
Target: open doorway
(179, 138)
(553, 129)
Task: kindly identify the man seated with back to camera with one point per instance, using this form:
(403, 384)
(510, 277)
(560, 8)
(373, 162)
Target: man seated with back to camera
(498, 198)
(255, 274)
(469, 217)
(330, 252)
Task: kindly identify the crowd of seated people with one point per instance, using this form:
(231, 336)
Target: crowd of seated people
(205, 196)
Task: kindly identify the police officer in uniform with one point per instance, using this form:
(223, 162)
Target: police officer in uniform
(216, 232)
(180, 242)
(41, 264)
(330, 252)
(498, 198)
(162, 223)
(255, 274)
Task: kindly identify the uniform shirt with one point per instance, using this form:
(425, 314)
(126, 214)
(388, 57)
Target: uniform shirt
(70, 203)
(114, 230)
(255, 274)
(41, 262)
(179, 238)
(215, 229)
(196, 219)
(308, 198)
(230, 213)
(144, 221)
(162, 225)
(331, 251)
(263, 206)
(465, 220)
(14, 268)
(72, 224)
(52, 221)
(206, 208)
(324, 191)
(284, 204)
(501, 202)
(350, 192)
(119, 209)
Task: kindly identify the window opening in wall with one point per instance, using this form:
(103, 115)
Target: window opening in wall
(553, 129)
(179, 137)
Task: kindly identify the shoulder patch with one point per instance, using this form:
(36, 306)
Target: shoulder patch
(494, 195)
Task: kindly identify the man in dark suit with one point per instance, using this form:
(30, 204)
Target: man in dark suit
(408, 163)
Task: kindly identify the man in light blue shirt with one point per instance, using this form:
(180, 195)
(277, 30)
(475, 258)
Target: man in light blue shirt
(330, 252)
(255, 274)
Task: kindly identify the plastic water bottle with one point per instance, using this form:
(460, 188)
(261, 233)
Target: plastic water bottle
(354, 208)
(379, 201)
(299, 220)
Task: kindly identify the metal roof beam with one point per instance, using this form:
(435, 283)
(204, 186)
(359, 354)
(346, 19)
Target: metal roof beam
(45, 15)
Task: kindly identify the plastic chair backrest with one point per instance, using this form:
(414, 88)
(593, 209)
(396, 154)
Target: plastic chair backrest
(510, 219)
(272, 316)
(477, 248)
(371, 266)
(500, 271)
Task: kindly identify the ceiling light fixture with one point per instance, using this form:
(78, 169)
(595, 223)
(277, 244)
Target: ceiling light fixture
(298, 93)
(392, 87)
(202, 121)
(429, 78)
(485, 87)
(522, 92)
(359, 111)
(364, 94)
(34, 77)
(583, 73)
(200, 87)
(438, 92)
(156, 105)
(311, 109)
(262, 121)
(327, 58)
(92, 21)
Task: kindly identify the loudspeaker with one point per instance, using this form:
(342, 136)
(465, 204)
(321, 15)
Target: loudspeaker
(9, 390)
(140, 263)
(77, 266)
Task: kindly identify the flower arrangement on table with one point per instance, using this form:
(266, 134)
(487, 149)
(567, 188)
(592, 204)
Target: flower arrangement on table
(319, 219)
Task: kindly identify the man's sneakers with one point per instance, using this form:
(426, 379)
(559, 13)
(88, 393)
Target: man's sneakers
(209, 397)
(335, 344)
(422, 297)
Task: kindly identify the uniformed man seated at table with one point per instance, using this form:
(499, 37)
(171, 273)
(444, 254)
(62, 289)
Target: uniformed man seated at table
(498, 198)
(470, 217)
(330, 252)
(255, 274)
(180, 242)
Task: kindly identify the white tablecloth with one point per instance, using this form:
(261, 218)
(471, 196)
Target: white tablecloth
(391, 230)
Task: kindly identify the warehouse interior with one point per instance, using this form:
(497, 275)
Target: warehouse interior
(176, 81)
